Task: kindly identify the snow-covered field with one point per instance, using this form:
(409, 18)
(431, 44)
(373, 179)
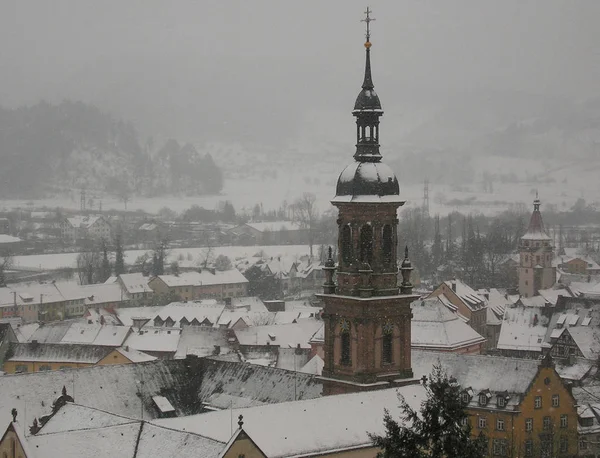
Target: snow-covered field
(557, 183)
(62, 260)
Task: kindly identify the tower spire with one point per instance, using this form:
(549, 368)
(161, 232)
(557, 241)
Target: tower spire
(367, 108)
(368, 81)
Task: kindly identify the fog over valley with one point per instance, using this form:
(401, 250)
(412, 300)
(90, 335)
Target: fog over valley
(467, 88)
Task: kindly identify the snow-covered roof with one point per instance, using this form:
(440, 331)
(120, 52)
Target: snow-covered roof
(163, 340)
(94, 334)
(313, 366)
(77, 332)
(135, 356)
(84, 222)
(523, 328)
(112, 388)
(202, 341)
(257, 383)
(83, 432)
(251, 303)
(283, 335)
(148, 227)
(573, 371)
(34, 293)
(536, 231)
(203, 310)
(551, 295)
(319, 336)
(163, 404)
(127, 314)
(587, 339)
(304, 427)
(5, 238)
(497, 304)
(102, 293)
(468, 295)
(434, 326)
(135, 283)
(204, 278)
(480, 372)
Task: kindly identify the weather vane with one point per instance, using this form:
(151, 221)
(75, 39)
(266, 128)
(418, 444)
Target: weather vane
(368, 20)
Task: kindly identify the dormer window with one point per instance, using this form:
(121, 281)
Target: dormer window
(465, 398)
(501, 401)
(483, 399)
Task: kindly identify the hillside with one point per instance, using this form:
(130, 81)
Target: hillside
(48, 149)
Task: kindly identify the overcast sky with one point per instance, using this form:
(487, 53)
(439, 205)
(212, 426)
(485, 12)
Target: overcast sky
(182, 67)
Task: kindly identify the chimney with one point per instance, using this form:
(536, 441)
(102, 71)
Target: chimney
(453, 285)
(15, 298)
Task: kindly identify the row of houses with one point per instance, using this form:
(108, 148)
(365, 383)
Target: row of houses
(31, 302)
(81, 227)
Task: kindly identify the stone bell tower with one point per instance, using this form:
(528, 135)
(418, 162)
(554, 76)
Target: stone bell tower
(367, 314)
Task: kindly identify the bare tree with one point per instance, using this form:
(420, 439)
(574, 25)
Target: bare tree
(207, 255)
(6, 262)
(89, 266)
(305, 213)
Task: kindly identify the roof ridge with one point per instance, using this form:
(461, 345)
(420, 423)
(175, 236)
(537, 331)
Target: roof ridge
(85, 429)
(150, 422)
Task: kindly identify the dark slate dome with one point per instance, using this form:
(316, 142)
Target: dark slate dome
(367, 179)
(367, 100)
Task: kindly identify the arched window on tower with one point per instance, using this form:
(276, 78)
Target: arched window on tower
(345, 343)
(366, 243)
(347, 244)
(387, 245)
(387, 350)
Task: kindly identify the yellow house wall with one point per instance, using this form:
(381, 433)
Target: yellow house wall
(6, 445)
(516, 437)
(158, 286)
(243, 446)
(10, 366)
(114, 357)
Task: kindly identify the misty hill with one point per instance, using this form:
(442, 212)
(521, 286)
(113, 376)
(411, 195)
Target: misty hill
(47, 148)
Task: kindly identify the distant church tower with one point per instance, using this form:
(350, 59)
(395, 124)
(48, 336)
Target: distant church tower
(536, 252)
(367, 319)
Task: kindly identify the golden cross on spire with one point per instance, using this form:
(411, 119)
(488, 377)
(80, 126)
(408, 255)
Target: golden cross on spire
(368, 20)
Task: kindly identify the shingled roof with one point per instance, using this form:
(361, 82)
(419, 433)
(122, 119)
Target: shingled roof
(258, 383)
(114, 388)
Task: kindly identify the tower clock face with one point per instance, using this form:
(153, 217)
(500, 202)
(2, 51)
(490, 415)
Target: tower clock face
(388, 328)
(344, 325)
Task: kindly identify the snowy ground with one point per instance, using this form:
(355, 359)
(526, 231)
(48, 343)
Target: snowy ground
(558, 183)
(62, 260)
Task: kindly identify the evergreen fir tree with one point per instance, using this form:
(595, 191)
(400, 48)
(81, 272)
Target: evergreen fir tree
(439, 430)
(105, 270)
(119, 257)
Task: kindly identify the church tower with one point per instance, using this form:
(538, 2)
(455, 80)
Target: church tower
(536, 252)
(367, 314)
